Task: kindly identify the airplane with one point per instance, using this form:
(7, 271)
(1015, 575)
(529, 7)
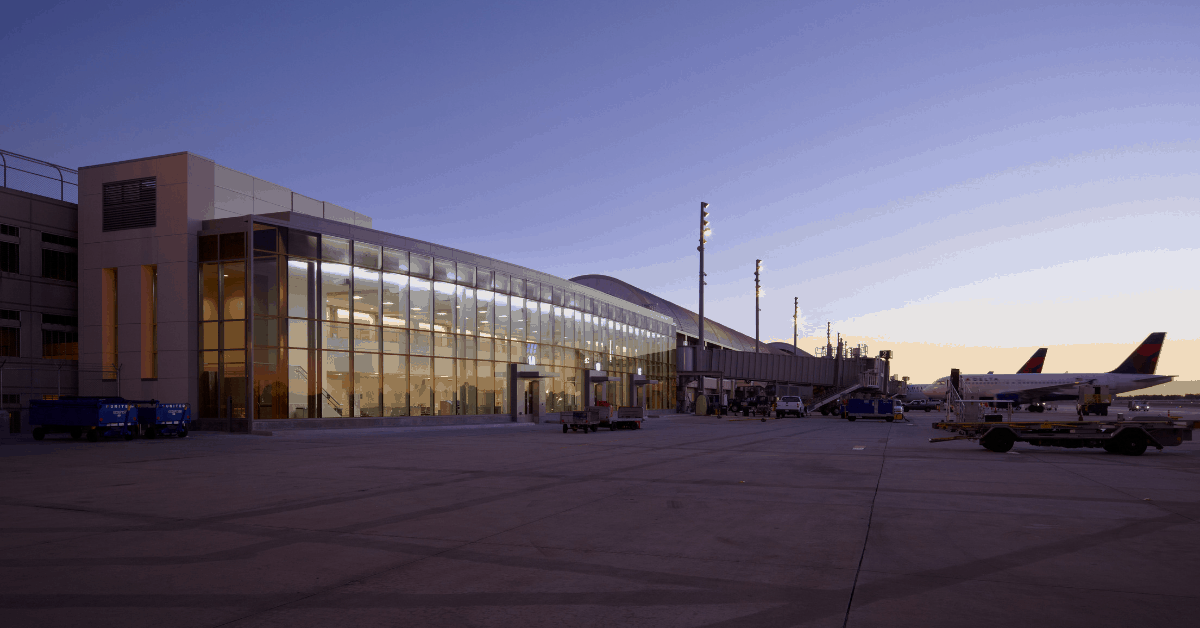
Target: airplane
(1136, 372)
(1033, 365)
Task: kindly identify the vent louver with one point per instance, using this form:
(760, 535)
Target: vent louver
(130, 204)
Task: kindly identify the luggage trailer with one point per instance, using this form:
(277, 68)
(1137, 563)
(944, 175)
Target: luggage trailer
(1129, 437)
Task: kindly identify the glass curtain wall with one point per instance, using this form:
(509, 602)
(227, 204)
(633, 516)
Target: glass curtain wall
(351, 329)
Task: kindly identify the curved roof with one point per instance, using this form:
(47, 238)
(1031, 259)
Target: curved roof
(787, 348)
(687, 321)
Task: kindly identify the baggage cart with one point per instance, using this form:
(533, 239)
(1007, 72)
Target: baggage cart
(583, 420)
(885, 409)
(628, 417)
(94, 417)
(1129, 437)
(170, 419)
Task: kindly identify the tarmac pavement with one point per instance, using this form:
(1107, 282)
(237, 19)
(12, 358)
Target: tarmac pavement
(688, 522)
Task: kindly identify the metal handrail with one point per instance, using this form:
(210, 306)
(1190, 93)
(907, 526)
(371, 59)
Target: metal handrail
(63, 172)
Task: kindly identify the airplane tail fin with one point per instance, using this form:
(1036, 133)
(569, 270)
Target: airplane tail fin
(1034, 365)
(1144, 359)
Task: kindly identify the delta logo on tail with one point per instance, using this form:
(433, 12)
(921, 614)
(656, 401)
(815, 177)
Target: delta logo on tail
(1034, 365)
(1144, 359)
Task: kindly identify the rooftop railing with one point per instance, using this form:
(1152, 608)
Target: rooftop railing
(18, 172)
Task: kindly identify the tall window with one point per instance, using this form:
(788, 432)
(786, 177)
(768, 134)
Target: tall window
(108, 322)
(149, 322)
(10, 257)
(10, 342)
(60, 345)
(61, 265)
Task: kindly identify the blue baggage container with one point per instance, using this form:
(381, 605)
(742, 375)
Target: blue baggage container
(872, 409)
(170, 419)
(94, 417)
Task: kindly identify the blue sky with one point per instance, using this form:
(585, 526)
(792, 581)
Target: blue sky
(1003, 175)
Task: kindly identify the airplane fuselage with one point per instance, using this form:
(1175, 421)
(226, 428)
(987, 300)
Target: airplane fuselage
(1044, 386)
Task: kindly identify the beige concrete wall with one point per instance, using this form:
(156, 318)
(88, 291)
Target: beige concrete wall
(185, 199)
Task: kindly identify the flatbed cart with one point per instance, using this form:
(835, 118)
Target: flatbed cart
(628, 417)
(1129, 437)
(584, 420)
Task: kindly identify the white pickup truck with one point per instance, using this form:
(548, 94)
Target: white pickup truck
(790, 405)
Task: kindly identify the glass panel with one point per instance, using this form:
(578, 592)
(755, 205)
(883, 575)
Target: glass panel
(300, 281)
(395, 385)
(366, 385)
(395, 340)
(304, 244)
(335, 336)
(299, 387)
(466, 274)
(443, 306)
(531, 292)
(419, 304)
(265, 238)
(486, 383)
(516, 318)
(484, 350)
(394, 260)
(209, 338)
(517, 287)
(233, 246)
(485, 310)
(468, 394)
(502, 283)
(270, 389)
(444, 387)
(545, 315)
(234, 335)
(335, 384)
(210, 285)
(443, 345)
(335, 292)
(533, 323)
(208, 250)
(209, 390)
(366, 296)
(266, 332)
(366, 338)
(443, 270)
(420, 386)
(366, 255)
(466, 347)
(485, 280)
(233, 384)
(233, 278)
(502, 401)
(466, 311)
(500, 329)
(395, 300)
(266, 286)
(420, 343)
(335, 249)
(420, 265)
(298, 335)
(501, 351)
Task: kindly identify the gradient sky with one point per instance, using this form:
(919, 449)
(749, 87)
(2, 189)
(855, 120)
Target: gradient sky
(935, 174)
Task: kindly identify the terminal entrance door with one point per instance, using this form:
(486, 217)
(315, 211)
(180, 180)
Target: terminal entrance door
(533, 399)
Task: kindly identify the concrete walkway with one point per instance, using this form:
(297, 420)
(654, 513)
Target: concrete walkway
(689, 522)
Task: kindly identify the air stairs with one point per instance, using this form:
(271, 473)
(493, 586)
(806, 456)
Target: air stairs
(868, 379)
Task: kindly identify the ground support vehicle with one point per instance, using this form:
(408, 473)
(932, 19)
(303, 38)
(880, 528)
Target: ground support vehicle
(629, 417)
(790, 405)
(885, 409)
(170, 419)
(920, 404)
(1093, 400)
(1138, 405)
(581, 420)
(94, 417)
(1130, 437)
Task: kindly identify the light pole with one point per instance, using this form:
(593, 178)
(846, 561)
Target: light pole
(757, 293)
(796, 324)
(705, 231)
